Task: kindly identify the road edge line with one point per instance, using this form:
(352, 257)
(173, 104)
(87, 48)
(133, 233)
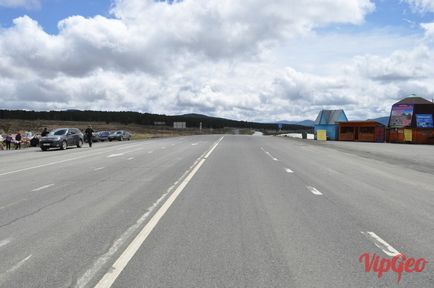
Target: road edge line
(116, 269)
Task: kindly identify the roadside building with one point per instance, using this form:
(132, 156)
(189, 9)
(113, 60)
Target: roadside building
(363, 131)
(326, 124)
(411, 121)
(179, 125)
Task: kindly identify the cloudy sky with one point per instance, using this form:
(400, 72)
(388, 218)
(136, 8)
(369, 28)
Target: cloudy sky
(257, 60)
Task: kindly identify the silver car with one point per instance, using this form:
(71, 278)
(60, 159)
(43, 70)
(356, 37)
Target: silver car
(62, 138)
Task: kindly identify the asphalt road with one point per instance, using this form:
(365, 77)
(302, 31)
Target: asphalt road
(213, 211)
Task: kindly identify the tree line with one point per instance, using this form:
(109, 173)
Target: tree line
(129, 117)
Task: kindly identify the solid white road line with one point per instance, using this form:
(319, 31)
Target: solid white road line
(194, 144)
(100, 262)
(212, 149)
(19, 264)
(131, 158)
(97, 265)
(40, 166)
(61, 161)
(288, 170)
(4, 275)
(98, 169)
(313, 190)
(5, 242)
(120, 264)
(43, 187)
(380, 243)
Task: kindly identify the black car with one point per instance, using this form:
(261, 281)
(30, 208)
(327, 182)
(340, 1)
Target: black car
(119, 135)
(62, 138)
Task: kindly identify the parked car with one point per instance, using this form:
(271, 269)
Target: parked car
(34, 142)
(62, 138)
(94, 137)
(119, 135)
(103, 136)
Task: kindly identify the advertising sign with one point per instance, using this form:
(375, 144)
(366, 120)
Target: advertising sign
(321, 135)
(401, 116)
(424, 120)
(179, 125)
(408, 135)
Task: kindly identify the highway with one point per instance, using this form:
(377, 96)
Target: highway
(215, 211)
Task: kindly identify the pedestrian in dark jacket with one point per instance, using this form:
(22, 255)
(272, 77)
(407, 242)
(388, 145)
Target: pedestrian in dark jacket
(18, 141)
(44, 133)
(89, 135)
(8, 142)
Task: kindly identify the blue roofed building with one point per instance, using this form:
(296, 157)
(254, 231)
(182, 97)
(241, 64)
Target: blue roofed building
(328, 120)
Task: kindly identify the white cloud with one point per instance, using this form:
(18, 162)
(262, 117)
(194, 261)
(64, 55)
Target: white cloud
(214, 57)
(421, 5)
(429, 29)
(29, 4)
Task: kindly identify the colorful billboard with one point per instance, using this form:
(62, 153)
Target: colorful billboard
(401, 115)
(424, 120)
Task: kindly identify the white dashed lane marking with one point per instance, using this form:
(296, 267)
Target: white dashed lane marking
(314, 190)
(380, 243)
(5, 242)
(13, 203)
(42, 188)
(288, 170)
(269, 154)
(115, 155)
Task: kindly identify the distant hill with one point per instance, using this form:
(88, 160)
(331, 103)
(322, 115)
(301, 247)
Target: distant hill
(194, 115)
(382, 120)
(307, 123)
(311, 123)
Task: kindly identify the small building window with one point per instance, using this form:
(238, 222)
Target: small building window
(367, 130)
(347, 129)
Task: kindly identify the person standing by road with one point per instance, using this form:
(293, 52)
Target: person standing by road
(18, 138)
(44, 133)
(8, 141)
(89, 134)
